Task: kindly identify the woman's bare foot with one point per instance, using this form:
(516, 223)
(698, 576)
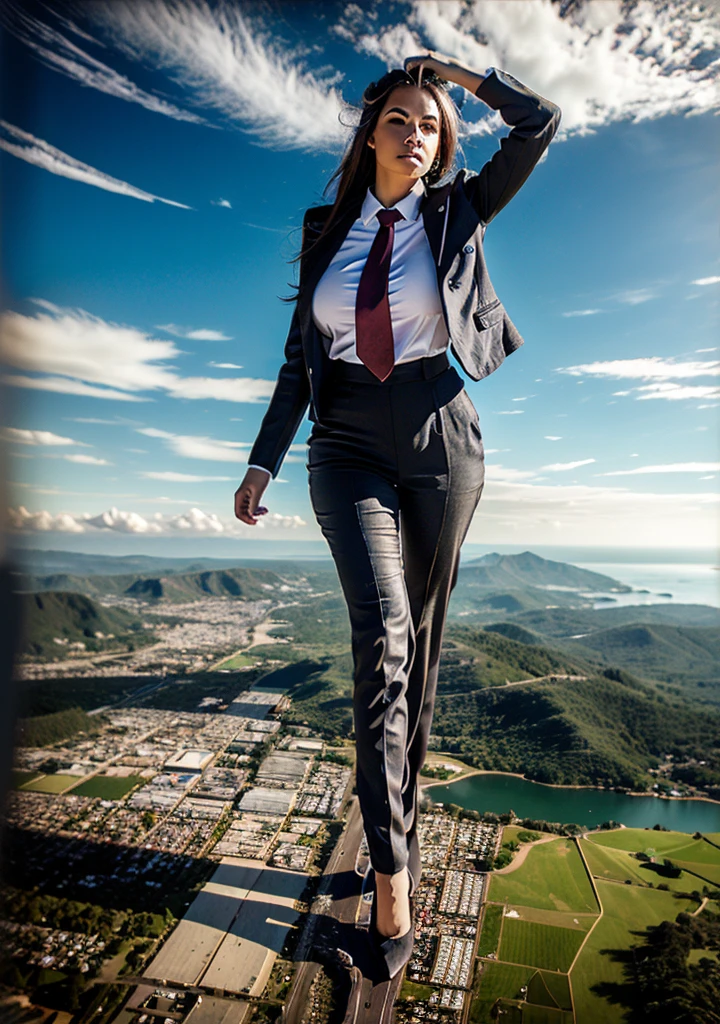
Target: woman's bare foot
(393, 904)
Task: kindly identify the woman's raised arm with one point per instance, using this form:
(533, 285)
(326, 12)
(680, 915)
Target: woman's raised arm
(533, 118)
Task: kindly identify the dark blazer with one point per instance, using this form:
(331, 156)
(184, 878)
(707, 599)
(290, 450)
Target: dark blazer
(455, 216)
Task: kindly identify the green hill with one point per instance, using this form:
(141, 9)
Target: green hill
(528, 569)
(72, 618)
(606, 729)
(584, 732)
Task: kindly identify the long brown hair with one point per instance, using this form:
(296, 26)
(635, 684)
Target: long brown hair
(356, 170)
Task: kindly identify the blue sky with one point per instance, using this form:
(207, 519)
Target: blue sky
(156, 163)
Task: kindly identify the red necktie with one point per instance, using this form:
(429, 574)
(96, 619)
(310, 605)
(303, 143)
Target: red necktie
(373, 326)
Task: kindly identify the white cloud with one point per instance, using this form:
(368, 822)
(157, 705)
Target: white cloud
(559, 467)
(193, 522)
(121, 359)
(674, 391)
(582, 312)
(511, 412)
(672, 467)
(225, 366)
(707, 280)
(181, 478)
(645, 368)
(601, 62)
(87, 460)
(537, 513)
(36, 151)
(210, 449)
(60, 53)
(197, 334)
(229, 61)
(61, 385)
(42, 437)
(552, 437)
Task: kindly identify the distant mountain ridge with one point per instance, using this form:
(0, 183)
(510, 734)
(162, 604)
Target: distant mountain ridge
(528, 569)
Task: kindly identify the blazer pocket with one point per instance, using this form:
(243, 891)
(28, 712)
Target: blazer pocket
(489, 314)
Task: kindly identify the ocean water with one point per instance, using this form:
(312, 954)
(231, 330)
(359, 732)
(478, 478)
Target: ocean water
(687, 583)
(691, 576)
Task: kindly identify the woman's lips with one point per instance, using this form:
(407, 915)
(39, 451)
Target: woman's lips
(412, 156)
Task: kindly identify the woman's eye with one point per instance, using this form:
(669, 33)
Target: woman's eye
(398, 120)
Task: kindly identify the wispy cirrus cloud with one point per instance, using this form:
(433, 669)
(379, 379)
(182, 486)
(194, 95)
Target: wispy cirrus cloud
(210, 449)
(57, 51)
(671, 467)
(19, 435)
(194, 334)
(82, 354)
(232, 62)
(182, 478)
(645, 368)
(559, 467)
(36, 151)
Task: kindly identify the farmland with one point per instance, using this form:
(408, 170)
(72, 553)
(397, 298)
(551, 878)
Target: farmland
(556, 925)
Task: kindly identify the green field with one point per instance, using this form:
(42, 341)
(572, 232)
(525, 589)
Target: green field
(552, 877)
(647, 840)
(698, 852)
(545, 1015)
(493, 981)
(491, 924)
(21, 778)
(550, 995)
(626, 909)
(238, 661)
(51, 783)
(609, 856)
(621, 866)
(551, 990)
(539, 945)
(109, 787)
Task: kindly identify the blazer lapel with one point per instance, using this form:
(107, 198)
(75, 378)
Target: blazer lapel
(316, 263)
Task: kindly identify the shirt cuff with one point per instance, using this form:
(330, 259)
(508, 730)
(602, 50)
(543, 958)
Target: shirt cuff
(252, 466)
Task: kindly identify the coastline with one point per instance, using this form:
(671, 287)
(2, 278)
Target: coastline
(427, 783)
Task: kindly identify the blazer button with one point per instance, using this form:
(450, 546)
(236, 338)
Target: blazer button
(310, 369)
(440, 209)
(469, 248)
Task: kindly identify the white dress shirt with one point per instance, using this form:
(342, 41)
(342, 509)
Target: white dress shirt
(418, 323)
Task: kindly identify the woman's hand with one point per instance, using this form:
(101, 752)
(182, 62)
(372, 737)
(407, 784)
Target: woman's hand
(432, 60)
(449, 68)
(248, 495)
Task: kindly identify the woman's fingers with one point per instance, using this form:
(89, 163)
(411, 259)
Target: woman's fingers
(247, 509)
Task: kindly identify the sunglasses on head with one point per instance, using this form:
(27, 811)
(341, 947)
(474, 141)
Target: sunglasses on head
(398, 76)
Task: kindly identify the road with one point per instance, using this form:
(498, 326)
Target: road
(343, 909)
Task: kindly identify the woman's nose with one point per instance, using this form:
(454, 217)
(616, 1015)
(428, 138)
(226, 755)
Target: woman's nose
(415, 134)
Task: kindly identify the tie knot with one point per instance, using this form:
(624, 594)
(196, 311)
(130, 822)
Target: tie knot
(387, 217)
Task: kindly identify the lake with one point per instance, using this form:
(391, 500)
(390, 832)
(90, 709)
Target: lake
(500, 793)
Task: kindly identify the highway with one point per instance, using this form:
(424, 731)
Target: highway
(330, 901)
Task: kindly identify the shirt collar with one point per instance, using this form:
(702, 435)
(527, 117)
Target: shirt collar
(409, 207)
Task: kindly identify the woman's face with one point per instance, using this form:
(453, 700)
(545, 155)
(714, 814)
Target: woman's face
(407, 135)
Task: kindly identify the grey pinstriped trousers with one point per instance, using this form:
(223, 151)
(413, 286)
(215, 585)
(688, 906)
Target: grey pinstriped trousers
(396, 470)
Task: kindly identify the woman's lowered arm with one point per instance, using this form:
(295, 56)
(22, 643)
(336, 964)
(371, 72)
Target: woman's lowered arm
(287, 407)
(534, 121)
(281, 421)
